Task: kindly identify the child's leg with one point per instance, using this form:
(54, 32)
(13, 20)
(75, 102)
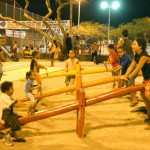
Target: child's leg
(134, 100)
(39, 82)
(147, 102)
(33, 105)
(146, 97)
(67, 82)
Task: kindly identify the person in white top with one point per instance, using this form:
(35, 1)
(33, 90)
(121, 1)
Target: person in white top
(52, 49)
(7, 116)
(71, 66)
(2, 59)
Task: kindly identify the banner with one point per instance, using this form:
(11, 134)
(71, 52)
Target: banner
(53, 24)
(17, 34)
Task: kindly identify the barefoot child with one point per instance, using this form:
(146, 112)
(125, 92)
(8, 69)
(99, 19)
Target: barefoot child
(71, 66)
(35, 66)
(112, 59)
(142, 62)
(28, 90)
(7, 116)
(124, 62)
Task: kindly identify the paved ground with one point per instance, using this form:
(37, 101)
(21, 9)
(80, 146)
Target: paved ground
(109, 125)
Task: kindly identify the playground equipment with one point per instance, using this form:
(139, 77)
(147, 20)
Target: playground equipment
(82, 101)
(58, 74)
(79, 106)
(7, 54)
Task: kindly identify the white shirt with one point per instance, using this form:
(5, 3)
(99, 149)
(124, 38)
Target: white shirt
(5, 102)
(71, 64)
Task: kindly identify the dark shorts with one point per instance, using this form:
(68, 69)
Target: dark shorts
(11, 120)
(51, 56)
(69, 78)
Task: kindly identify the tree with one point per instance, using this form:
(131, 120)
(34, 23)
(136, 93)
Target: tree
(135, 28)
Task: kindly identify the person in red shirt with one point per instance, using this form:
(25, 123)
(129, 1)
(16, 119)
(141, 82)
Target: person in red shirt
(113, 59)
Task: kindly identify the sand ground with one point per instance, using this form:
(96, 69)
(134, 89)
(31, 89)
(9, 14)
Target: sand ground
(109, 125)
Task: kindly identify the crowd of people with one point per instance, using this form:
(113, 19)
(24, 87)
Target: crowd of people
(128, 60)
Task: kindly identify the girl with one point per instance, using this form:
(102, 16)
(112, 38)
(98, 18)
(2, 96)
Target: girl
(142, 62)
(28, 90)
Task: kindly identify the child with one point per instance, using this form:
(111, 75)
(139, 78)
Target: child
(35, 66)
(2, 58)
(28, 90)
(52, 50)
(112, 59)
(142, 62)
(7, 116)
(124, 63)
(71, 66)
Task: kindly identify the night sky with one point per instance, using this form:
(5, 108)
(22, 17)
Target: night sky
(129, 10)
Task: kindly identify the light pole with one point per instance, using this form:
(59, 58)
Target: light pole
(79, 4)
(113, 5)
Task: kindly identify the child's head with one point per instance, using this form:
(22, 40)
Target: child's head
(121, 51)
(7, 87)
(35, 54)
(71, 54)
(31, 74)
(139, 44)
(110, 48)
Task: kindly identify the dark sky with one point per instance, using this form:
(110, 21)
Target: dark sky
(129, 10)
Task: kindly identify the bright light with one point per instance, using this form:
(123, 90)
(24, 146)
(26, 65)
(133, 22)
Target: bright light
(104, 5)
(115, 5)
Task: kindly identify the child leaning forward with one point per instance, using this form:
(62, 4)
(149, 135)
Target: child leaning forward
(29, 87)
(7, 115)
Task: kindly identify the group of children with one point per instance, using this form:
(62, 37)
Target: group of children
(129, 69)
(7, 116)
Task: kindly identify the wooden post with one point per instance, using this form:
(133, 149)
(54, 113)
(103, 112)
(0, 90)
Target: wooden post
(80, 113)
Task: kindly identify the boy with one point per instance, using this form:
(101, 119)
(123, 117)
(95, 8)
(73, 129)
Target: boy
(124, 63)
(71, 66)
(35, 66)
(112, 59)
(7, 116)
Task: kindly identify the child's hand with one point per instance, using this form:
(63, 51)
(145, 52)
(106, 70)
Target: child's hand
(39, 86)
(104, 62)
(124, 78)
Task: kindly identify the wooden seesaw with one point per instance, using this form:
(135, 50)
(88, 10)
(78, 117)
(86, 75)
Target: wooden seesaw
(79, 106)
(58, 74)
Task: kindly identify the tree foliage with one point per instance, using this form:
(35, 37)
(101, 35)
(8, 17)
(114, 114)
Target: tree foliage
(135, 28)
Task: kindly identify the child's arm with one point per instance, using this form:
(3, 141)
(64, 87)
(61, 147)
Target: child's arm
(42, 67)
(66, 67)
(118, 68)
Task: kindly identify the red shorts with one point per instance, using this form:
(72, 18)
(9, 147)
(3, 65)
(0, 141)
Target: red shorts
(147, 87)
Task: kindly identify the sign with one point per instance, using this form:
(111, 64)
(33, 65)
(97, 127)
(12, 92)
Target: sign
(17, 34)
(40, 25)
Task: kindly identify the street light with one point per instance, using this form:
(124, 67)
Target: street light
(79, 16)
(113, 5)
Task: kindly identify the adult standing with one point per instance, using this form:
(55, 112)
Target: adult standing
(94, 49)
(68, 43)
(127, 43)
(2, 58)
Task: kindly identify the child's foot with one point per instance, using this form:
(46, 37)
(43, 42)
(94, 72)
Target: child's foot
(114, 85)
(8, 141)
(133, 103)
(31, 111)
